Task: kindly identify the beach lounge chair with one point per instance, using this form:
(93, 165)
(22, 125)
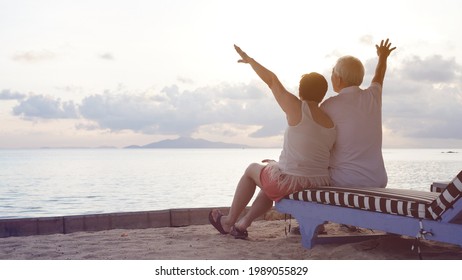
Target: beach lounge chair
(421, 214)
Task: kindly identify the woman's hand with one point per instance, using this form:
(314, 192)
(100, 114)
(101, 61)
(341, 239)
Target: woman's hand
(244, 57)
(288, 102)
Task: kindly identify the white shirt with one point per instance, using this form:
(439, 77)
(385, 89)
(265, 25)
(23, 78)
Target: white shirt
(356, 159)
(306, 150)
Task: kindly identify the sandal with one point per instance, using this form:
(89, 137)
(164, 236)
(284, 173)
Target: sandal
(217, 223)
(239, 234)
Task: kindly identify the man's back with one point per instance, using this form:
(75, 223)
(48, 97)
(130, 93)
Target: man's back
(356, 159)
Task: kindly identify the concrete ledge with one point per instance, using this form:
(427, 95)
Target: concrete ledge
(124, 220)
(186, 217)
(18, 227)
(95, 222)
(50, 225)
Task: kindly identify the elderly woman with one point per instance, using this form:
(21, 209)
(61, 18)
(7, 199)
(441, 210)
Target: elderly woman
(304, 159)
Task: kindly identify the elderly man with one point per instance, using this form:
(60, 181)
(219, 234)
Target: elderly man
(356, 159)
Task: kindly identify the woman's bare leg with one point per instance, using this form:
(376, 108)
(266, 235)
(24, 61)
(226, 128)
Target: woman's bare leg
(244, 192)
(260, 206)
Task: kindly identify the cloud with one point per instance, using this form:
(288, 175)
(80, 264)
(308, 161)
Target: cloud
(170, 111)
(367, 40)
(121, 112)
(34, 56)
(106, 56)
(173, 111)
(433, 69)
(7, 94)
(422, 99)
(417, 104)
(43, 107)
(185, 80)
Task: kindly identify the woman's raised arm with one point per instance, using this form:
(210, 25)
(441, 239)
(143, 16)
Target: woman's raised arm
(288, 102)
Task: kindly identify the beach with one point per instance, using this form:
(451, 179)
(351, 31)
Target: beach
(193, 251)
(267, 241)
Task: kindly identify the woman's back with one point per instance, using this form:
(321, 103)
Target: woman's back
(319, 116)
(307, 145)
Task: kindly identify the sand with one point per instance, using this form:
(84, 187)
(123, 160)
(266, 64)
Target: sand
(267, 241)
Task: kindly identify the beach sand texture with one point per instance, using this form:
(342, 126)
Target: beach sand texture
(267, 240)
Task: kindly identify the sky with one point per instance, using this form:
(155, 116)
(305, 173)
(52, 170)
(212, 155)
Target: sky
(119, 73)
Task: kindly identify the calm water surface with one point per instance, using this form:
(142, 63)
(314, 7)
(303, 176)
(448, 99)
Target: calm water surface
(57, 182)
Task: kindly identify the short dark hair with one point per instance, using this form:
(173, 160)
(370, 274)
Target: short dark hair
(313, 87)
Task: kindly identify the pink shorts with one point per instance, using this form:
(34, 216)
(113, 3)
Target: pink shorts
(270, 186)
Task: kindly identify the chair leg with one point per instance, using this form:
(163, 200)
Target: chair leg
(309, 230)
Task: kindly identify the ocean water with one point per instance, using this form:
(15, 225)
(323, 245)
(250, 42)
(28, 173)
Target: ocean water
(59, 182)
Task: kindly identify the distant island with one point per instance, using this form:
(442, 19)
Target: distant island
(188, 143)
(450, 152)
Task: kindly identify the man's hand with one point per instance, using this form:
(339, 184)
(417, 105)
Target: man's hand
(384, 49)
(244, 57)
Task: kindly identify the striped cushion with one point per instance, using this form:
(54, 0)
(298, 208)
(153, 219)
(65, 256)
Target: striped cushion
(447, 198)
(403, 202)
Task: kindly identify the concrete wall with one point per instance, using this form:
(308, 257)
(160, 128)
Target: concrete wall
(98, 222)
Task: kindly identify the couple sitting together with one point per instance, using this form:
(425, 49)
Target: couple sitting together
(336, 143)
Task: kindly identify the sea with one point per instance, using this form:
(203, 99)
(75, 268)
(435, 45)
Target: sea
(63, 182)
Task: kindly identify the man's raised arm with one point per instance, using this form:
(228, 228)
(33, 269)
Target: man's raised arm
(383, 51)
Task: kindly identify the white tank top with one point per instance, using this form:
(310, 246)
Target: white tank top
(306, 149)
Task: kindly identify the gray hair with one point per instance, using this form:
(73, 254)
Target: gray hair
(350, 69)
